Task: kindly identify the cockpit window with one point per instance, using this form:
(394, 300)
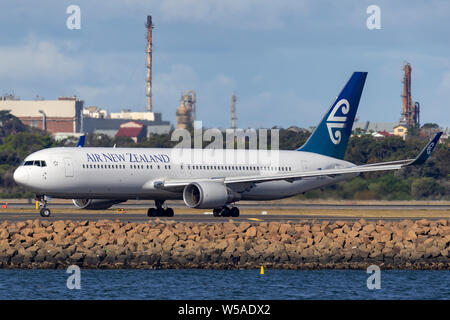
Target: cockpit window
(38, 163)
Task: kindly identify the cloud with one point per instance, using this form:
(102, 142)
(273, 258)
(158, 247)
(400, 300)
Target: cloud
(254, 14)
(38, 60)
(283, 108)
(444, 85)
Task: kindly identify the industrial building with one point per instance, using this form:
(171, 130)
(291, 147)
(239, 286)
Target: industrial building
(186, 112)
(67, 116)
(53, 116)
(410, 110)
(410, 114)
(111, 126)
(132, 129)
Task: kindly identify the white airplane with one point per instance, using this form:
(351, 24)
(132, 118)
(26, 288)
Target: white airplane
(97, 178)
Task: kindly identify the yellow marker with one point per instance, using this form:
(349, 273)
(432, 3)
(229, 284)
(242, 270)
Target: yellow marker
(37, 205)
(262, 270)
(255, 219)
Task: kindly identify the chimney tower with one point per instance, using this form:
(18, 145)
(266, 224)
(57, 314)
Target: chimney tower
(149, 27)
(410, 110)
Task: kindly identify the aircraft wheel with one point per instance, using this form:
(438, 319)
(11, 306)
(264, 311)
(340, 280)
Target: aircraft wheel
(168, 212)
(226, 212)
(217, 212)
(151, 212)
(234, 212)
(45, 212)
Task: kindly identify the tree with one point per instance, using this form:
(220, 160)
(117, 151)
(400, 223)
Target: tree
(425, 188)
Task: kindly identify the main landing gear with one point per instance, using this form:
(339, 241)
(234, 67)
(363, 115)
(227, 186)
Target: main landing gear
(159, 211)
(44, 211)
(226, 212)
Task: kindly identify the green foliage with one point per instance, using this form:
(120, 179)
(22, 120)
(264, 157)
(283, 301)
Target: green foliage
(426, 188)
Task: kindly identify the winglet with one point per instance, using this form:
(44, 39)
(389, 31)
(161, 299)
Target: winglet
(81, 141)
(426, 152)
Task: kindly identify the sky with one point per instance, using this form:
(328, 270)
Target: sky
(286, 60)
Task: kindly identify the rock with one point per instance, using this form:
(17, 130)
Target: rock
(274, 227)
(228, 227)
(251, 232)
(221, 245)
(369, 228)
(76, 258)
(41, 236)
(170, 241)
(79, 230)
(122, 240)
(243, 226)
(4, 234)
(284, 228)
(164, 235)
(410, 235)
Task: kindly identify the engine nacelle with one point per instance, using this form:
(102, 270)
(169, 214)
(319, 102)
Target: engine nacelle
(95, 204)
(208, 195)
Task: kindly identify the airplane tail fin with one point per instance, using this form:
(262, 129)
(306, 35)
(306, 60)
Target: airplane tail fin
(81, 140)
(330, 138)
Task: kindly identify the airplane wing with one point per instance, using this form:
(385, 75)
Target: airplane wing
(292, 176)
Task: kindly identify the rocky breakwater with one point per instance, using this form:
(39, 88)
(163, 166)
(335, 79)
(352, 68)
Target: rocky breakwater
(305, 245)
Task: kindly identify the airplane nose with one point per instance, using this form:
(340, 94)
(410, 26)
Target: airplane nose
(21, 176)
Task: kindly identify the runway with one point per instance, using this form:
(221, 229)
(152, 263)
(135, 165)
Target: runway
(256, 212)
(269, 206)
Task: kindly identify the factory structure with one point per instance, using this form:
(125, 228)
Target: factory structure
(68, 116)
(61, 115)
(410, 110)
(409, 116)
(186, 112)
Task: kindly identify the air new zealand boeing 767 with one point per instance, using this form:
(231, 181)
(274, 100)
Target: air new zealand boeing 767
(97, 178)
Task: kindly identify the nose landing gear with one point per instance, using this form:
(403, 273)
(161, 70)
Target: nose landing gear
(44, 211)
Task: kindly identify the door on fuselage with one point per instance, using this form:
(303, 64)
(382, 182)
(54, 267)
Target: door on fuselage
(68, 165)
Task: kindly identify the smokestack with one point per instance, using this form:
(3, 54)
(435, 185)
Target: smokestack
(233, 111)
(149, 27)
(406, 95)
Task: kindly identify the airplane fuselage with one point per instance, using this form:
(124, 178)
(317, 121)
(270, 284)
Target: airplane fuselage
(134, 173)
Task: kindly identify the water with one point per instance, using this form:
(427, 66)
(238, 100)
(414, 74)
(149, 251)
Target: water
(224, 284)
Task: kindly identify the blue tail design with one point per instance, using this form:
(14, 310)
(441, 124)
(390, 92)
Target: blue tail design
(330, 138)
(81, 141)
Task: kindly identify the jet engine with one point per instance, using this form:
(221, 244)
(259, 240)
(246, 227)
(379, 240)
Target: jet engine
(208, 195)
(95, 204)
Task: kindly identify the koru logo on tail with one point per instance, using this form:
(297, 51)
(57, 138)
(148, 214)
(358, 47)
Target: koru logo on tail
(430, 148)
(335, 122)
